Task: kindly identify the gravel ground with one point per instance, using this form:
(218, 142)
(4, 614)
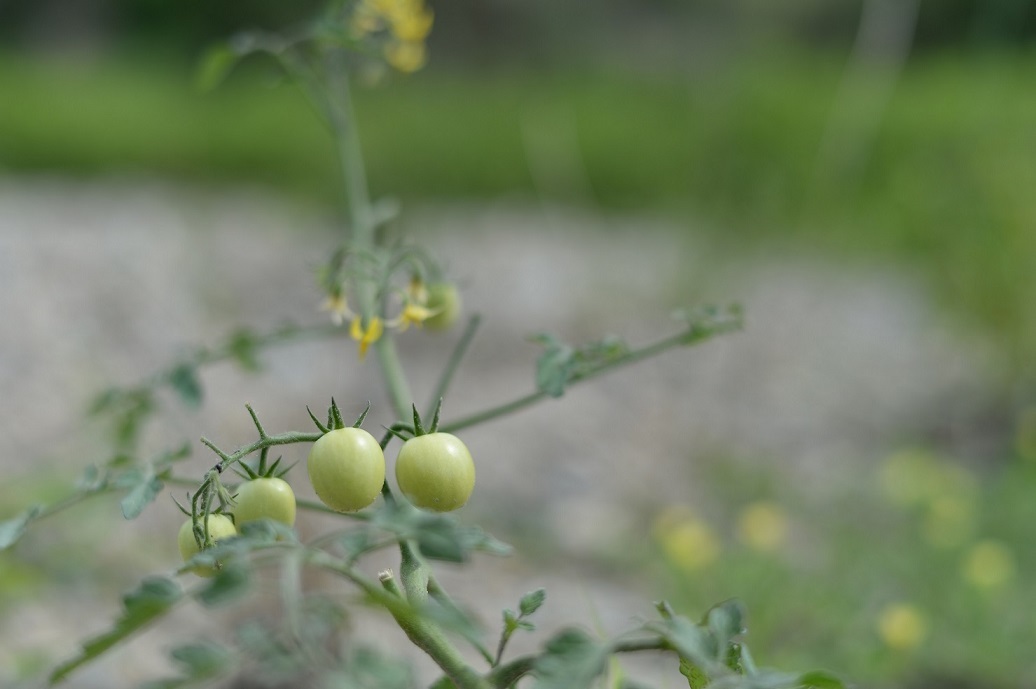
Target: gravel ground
(104, 282)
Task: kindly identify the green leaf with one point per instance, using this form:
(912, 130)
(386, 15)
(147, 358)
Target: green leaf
(215, 65)
(725, 621)
(12, 529)
(202, 660)
(532, 601)
(244, 348)
(141, 495)
(555, 366)
(696, 677)
(153, 598)
(184, 380)
(572, 660)
(232, 581)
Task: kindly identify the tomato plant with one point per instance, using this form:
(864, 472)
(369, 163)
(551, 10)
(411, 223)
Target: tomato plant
(435, 471)
(270, 498)
(219, 526)
(347, 469)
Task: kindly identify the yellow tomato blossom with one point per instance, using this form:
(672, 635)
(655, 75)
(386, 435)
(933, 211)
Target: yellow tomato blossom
(902, 626)
(336, 304)
(412, 313)
(407, 21)
(366, 336)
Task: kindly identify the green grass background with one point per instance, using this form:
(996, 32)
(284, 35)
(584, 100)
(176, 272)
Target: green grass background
(942, 177)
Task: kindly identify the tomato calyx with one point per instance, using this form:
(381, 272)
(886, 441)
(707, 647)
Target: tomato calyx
(334, 418)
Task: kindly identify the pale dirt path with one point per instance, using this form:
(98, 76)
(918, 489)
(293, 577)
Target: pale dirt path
(104, 282)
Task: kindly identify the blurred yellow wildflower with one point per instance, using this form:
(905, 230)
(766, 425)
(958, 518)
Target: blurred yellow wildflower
(989, 565)
(908, 476)
(366, 336)
(763, 526)
(902, 626)
(949, 521)
(686, 540)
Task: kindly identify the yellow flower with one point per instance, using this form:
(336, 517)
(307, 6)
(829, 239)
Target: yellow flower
(902, 626)
(412, 313)
(417, 291)
(335, 303)
(366, 336)
(763, 526)
(406, 56)
(687, 541)
(412, 22)
(989, 565)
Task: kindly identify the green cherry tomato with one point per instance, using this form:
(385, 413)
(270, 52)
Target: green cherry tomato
(444, 299)
(347, 469)
(220, 527)
(435, 472)
(270, 498)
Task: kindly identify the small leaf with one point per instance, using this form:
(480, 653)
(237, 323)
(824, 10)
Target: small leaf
(572, 660)
(555, 366)
(532, 601)
(184, 379)
(12, 529)
(245, 350)
(202, 661)
(232, 581)
(153, 598)
(142, 495)
(215, 65)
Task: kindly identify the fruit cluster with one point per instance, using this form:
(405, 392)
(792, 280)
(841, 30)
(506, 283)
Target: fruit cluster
(346, 467)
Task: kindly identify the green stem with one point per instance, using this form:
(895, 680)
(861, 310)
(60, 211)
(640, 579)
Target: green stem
(454, 362)
(509, 673)
(429, 638)
(392, 373)
(532, 398)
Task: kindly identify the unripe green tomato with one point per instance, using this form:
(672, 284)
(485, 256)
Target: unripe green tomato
(220, 527)
(270, 498)
(347, 469)
(435, 472)
(445, 300)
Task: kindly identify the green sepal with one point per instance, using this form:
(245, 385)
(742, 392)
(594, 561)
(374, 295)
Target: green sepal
(321, 427)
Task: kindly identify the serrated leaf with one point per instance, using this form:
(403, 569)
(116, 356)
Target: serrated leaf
(12, 529)
(231, 582)
(153, 598)
(141, 495)
(571, 660)
(555, 366)
(532, 601)
(215, 65)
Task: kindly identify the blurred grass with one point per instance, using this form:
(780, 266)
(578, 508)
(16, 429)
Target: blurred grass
(945, 181)
(819, 595)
